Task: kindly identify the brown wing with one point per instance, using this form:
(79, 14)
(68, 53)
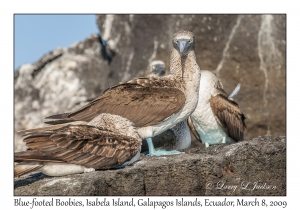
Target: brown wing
(192, 129)
(33, 155)
(50, 128)
(229, 116)
(20, 169)
(33, 161)
(140, 101)
(85, 145)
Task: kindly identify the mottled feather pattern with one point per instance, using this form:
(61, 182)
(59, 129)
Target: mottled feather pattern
(155, 81)
(219, 87)
(84, 145)
(115, 123)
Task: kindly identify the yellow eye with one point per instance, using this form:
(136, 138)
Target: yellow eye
(176, 41)
(190, 41)
(153, 67)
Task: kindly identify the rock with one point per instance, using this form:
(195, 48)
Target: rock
(60, 81)
(246, 49)
(258, 165)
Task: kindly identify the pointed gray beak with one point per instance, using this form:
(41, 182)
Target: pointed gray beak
(184, 46)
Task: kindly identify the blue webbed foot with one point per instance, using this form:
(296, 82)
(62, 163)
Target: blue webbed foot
(164, 152)
(153, 152)
(222, 142)
(130, 162)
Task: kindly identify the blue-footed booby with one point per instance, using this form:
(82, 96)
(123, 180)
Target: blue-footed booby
(107, 141)
(154, 104)
(156, 68)
(181, 134)
(181, 130)
(217, 117)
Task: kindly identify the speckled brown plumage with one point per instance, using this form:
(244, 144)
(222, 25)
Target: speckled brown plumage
(85, 145)
(98, 145)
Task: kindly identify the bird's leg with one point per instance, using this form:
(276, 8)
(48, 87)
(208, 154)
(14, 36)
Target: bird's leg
(150, 146)
(135, 158)
(206, 144)
(224, 140)
(153, 152)
(129, 162)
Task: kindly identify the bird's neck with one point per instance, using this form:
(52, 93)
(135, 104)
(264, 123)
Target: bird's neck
(183, 67)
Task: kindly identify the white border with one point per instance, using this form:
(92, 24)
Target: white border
(8, 8)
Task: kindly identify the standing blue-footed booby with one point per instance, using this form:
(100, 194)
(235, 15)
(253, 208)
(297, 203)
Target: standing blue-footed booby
(154, 104)
(217, 118)
(181, 134)
(107, 141)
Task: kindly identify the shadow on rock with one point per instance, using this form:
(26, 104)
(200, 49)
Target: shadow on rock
(31, 179)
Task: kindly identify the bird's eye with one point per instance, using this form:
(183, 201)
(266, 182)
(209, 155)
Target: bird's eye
(190, 41)
(176, 41)
(153, 67)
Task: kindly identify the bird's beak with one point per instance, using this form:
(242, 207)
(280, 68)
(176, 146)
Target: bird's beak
(184, 46)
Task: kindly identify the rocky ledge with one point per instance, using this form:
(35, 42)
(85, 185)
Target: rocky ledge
(252, 167)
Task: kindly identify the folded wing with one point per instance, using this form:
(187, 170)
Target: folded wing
(80, 144)
(139, 100)
(229, 116)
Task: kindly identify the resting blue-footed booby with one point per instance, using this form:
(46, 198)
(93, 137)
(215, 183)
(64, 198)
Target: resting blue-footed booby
(154, 104)
(217, 118)
(107, 141)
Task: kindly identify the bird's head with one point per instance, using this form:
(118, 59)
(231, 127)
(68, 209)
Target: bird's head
(157, 68)
(184, 42)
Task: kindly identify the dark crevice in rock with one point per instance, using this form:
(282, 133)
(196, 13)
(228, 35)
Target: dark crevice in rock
(48, 58)
(106, 52)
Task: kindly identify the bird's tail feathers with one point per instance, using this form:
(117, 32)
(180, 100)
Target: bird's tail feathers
(235, 92)
(50, 128)
(26, 167)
